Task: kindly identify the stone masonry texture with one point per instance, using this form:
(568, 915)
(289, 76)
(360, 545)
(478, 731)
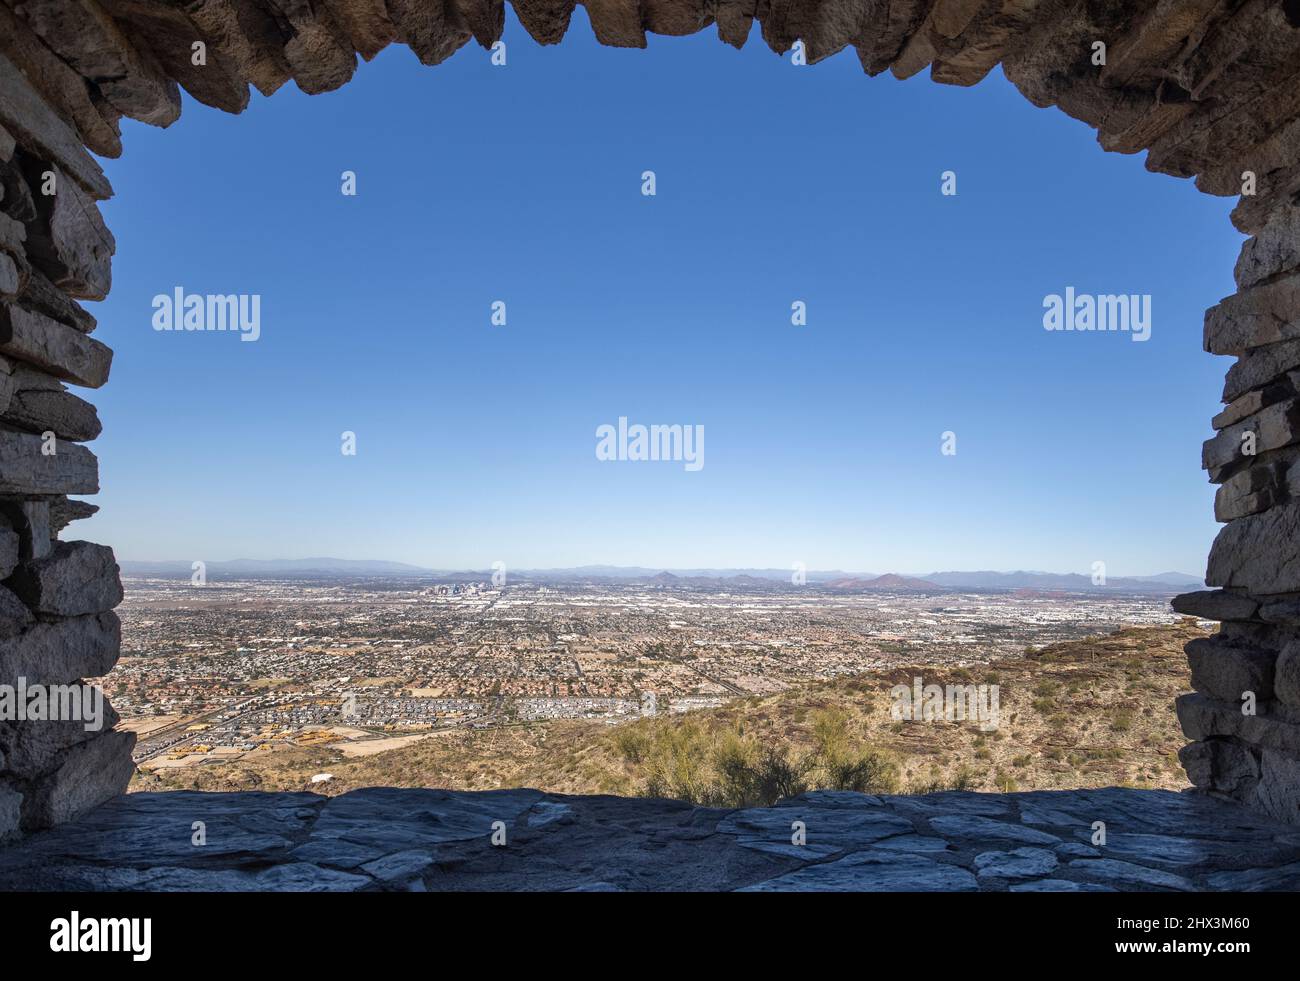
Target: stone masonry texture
(384, 839)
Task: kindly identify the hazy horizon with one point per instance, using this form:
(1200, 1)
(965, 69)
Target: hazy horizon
(637, 567)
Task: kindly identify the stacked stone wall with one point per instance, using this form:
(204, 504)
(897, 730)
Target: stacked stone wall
(1244, 713)
(59, 753)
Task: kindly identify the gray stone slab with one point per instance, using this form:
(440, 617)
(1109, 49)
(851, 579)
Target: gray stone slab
(913, 843)
(1284, 878)
(336, 853)
(400, 867)
(292, 877)
(547, 812)
(1058, 885)
(1050, 817)
(400, 819)
(873, 872)
(1172, 851)
(987, 829)
(837, 828)
(1019, 863)
(832, 798)
(951, 802)
(1129, 874)
(802, 853)
(396, 839)
(1075, 850)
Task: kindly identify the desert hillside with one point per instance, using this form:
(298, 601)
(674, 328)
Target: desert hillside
(1088, 713)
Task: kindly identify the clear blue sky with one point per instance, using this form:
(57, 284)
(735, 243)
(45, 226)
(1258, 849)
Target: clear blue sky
(776, 183)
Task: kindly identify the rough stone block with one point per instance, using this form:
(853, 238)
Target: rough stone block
(16, 201)
(1249, 633)
(9, 551)
(1286, 678)
(1272, 428)
(76, 578)
(1254, 211)
(69, 241)
(250, 37)
(14, 615)
(1280, 611)
(1204, 718)
(13, 235)
(618, 25)
(11, 802)
(547, 21)
(1275, 249)
(64, 511)
(1260, 366)
(1215, 605)
(31, 748)
(88, 774)
(1197, 760)
(82, 33)
(366, 23)
(25, 470)
(1277, 793)
(1226, 671)
(59, 412)
(64, 651)
(318, 51)
(1254, 553)
(1292, 478)
(44, 297)
(167, 31)
(7, 384)
(435, 34)
(1261, 315)
(11, 283)
(1252, 490)
(31, 520)
(25, 114)
(974, 53)
(1220, 765)
(60, 86)
(61, 350)
(26, 378)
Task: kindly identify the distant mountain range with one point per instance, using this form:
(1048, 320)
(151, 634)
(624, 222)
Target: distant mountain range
(312, 568)
(888, 581)
(1055, 580)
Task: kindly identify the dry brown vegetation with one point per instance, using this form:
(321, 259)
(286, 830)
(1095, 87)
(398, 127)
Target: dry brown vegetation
(1096, 712)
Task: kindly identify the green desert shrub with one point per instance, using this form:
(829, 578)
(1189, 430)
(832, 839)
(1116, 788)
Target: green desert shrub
(632, 743)
(963, 779)
(678, 765)
(867, 771)
(728, 767)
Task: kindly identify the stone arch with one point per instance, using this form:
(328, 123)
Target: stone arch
(1209, 89)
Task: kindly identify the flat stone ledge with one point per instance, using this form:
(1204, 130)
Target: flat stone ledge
(386, 839)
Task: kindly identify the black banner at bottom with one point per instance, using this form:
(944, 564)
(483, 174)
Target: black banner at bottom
(197, 931)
